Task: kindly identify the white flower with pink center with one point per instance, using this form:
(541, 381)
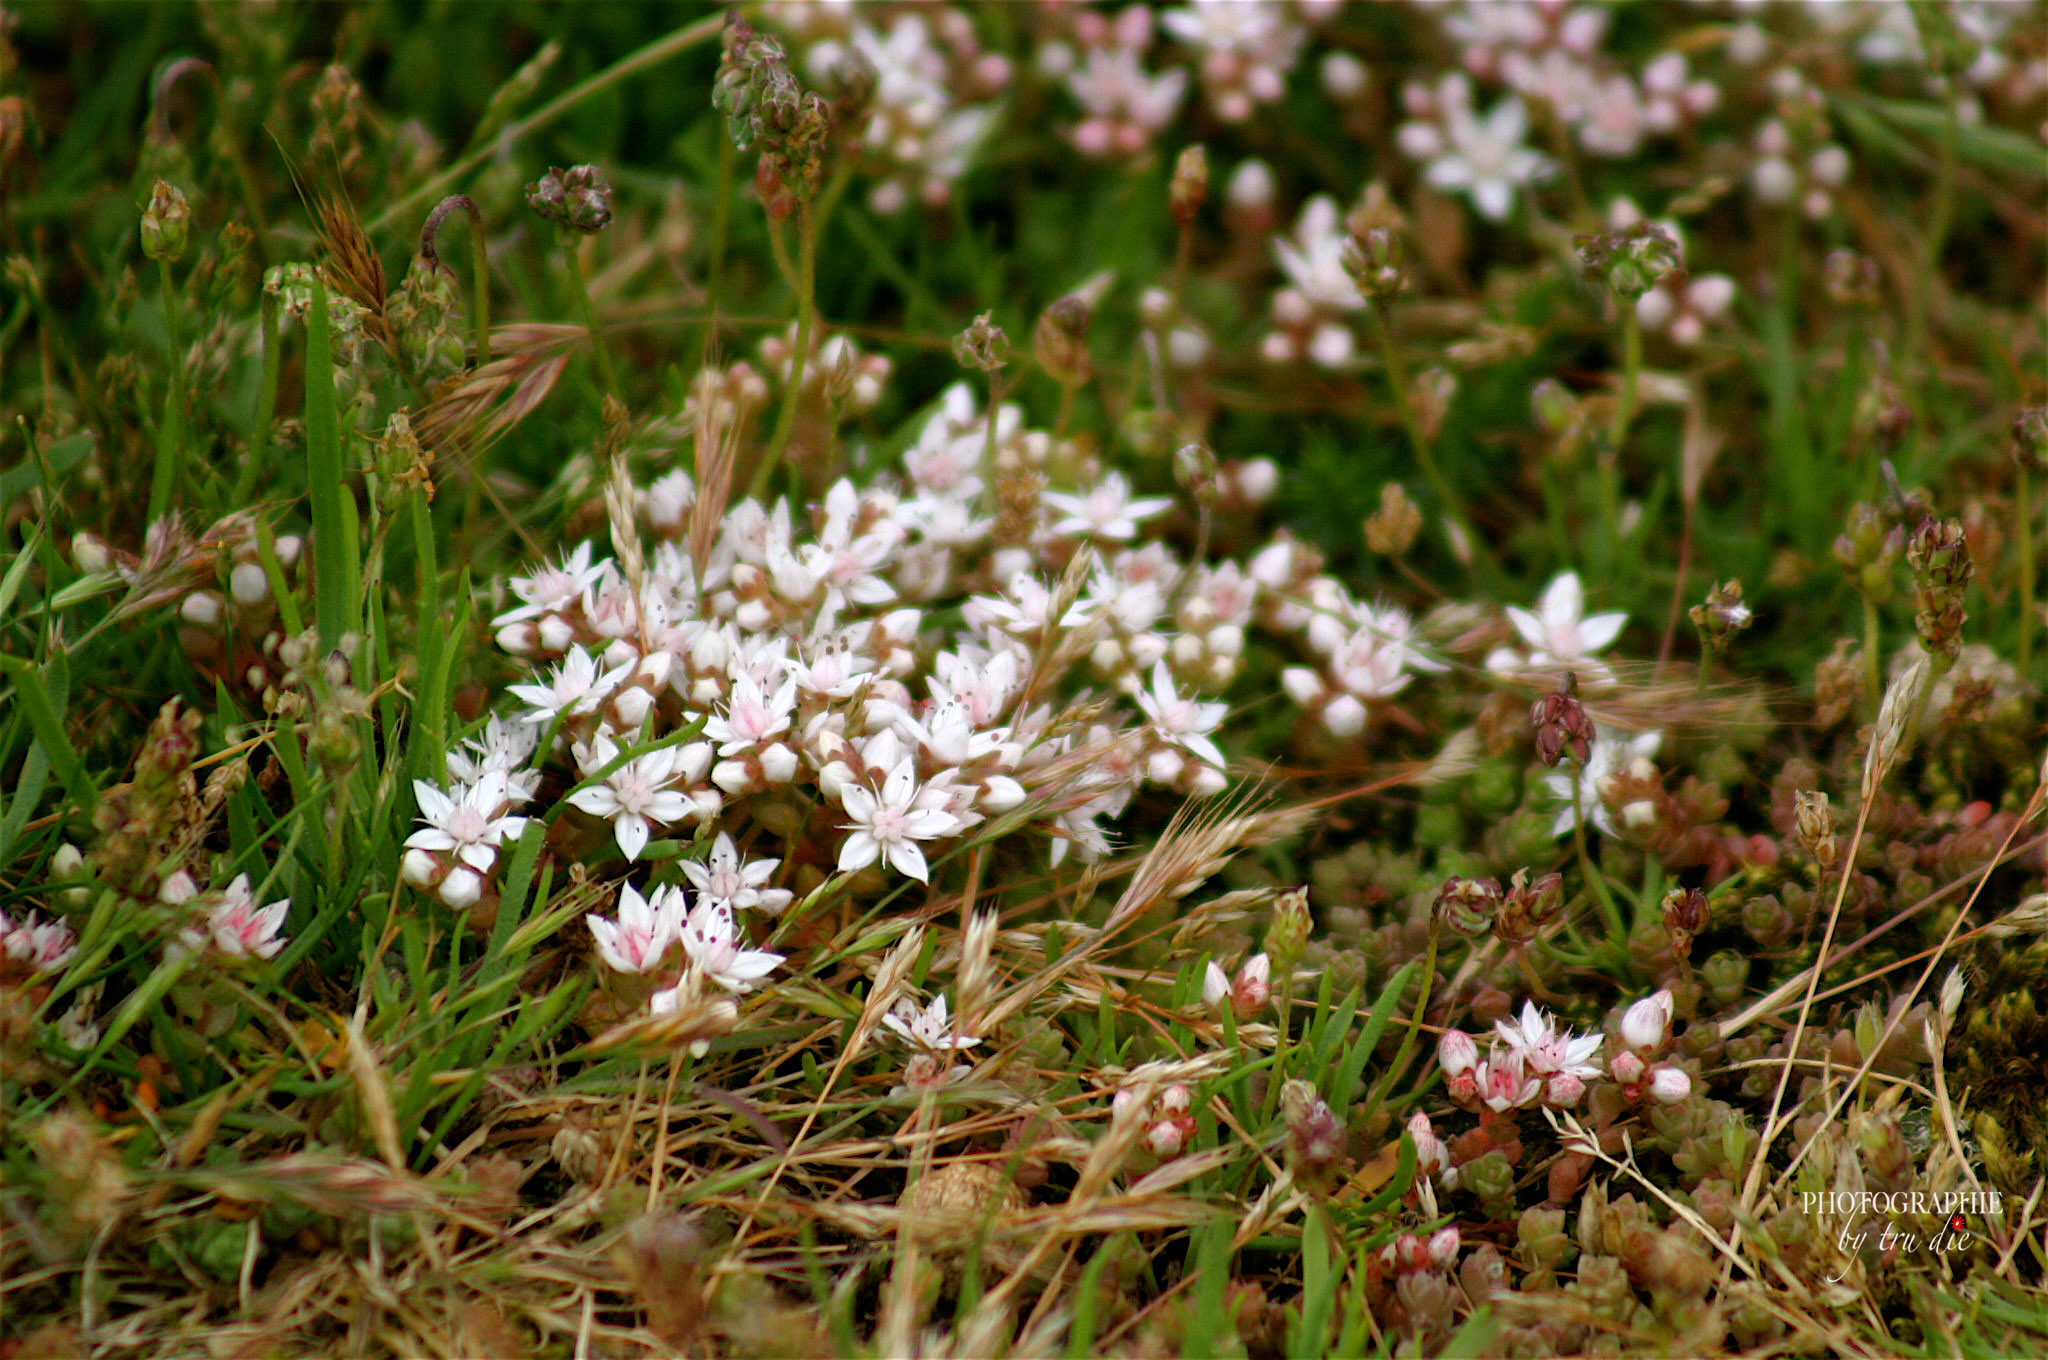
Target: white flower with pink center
(1186, 723)
(470, 825)
(711, 938)
(739, 884)
(753, 716)
(638, 940)
(637, 794)
(889, 824)
(1106, 510)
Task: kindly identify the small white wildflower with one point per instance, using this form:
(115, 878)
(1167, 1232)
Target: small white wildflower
(888, 825)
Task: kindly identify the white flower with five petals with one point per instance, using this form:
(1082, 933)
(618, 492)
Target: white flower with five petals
(739, 884)
(888, 825)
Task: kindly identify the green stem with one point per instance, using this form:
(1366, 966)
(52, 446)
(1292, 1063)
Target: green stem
(604, 358)
(806, 317)
(1940, 213)
(1397, 382)
(2023, 494)
(1617, 432)
(656, 52)
(1594, 879)
(266, 410)
(170, 442)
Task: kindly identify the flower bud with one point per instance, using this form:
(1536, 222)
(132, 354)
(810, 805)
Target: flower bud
(1373, 260)
(1391, 529)
(1528, 907)
(1626, 1068)
(1645, 1023)
(1456, 1053)
(577, 198)
(1562, 724)
(2030, 439)
(1190, 184)
(1814, 822)
(982, 345)
(1287, 935)
(165, 223)
(1060, 341)
(1669, 1085)
(1315, 1138)
(1721, 617)
(1630, 261)
(1468, 905)
(1685, 917)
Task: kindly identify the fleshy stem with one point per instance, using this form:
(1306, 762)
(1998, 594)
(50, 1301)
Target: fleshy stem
(574, 245)
(480, 271)
(170, 442)
(804, 285)
(1594, 880)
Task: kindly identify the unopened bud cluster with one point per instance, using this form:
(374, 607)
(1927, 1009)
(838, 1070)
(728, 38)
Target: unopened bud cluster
(1940, 561)
(577, 198)
(1629, 261)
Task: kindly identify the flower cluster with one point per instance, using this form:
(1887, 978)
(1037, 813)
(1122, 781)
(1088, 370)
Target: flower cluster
(34, 946)
(1531, 1061)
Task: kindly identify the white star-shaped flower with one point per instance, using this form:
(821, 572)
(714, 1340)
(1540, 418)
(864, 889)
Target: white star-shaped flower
(926, 1027)
(647, 926)
(1107, 510)
(471, 825)
(1186, 723)
(725, 877)
(711, 938)
(1611, 754)
(640, 792)
(888, 825)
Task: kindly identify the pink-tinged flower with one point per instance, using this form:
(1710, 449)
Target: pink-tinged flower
(1669, 1085)
(926, 1027)
(237, 928)
(1456, 1053)
(929, 1072)
(575, 688)
(1485, 157)
(725, 877)
(1185, 723)
(1431, 1156)
(1645, 1023)
(44, 946)
(888, 825)
(640, 938)
(711, 939)
(1107, 510)
(1563, 1090)
(1627, 1067)
(1559, 633)
(752, 717)
(1547, 1050)
(638, 793)
(552, 589)
(1503, 1081)
(471, 825)
(1443, 1247)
